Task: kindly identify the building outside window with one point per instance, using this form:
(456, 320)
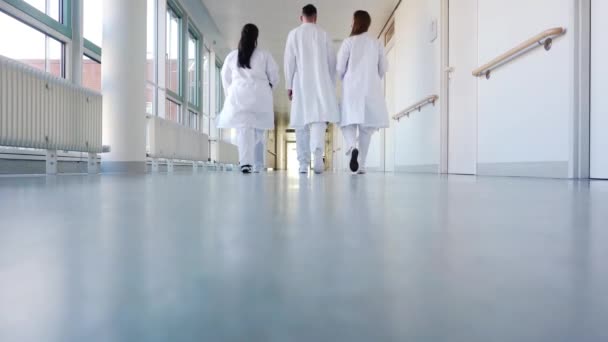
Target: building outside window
(91, 73)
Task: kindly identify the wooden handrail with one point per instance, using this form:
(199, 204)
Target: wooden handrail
(544, 38)
(416, 107)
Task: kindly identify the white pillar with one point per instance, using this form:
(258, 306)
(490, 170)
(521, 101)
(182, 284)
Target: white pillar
(123, 77)
(77, 42)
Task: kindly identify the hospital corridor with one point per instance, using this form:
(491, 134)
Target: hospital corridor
(296, 171)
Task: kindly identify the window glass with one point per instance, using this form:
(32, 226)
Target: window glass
(92, 20)
(194, 120)
(54, 57)
(193, 71)
(150, 41)
(205, 124)
(219, 90)
(172, 111)
(52, 8)
(172, 63)
(41, 51)
(91, 73)
(150, 96)
(206, 79)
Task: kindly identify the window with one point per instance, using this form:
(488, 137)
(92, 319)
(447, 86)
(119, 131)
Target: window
(194, 124)
(219, 89)
(172, 111)
(52, 8)
(92, 21)
(206, 124)
(41, 51)
(91, 73)
(151, 79)
(206, 81)
(172, 64)
(193, 70)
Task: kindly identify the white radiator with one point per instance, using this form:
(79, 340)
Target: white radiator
(227, 153)
(39, 110)
(170, 140)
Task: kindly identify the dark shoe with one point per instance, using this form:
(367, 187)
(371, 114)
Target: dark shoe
(354, 163)
(246, 169)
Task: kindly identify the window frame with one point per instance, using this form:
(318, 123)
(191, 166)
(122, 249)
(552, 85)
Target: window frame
(176, 9)
(63, 26)
(19, 13)
(154, 84)
(194, 33)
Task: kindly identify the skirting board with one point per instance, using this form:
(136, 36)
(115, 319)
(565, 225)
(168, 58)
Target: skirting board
(123, 167)
(526, 169)
(432, 168)
(38, 167)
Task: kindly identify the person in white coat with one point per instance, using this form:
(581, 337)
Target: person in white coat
(361, 66)
(248, 76)
(310, 77)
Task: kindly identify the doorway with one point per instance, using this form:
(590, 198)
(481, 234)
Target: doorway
(292, 157)
(462, 86)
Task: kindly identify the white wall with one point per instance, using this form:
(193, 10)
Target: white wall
(526, 107)
(417, 76)
(599, 81)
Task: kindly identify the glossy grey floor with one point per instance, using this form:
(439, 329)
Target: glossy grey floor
(274, 257)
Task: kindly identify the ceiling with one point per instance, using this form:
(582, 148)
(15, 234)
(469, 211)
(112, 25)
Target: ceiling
(276, 18)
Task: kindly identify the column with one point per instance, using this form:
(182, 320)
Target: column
(123, 78)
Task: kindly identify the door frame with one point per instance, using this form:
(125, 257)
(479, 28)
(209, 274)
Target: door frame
(444, 90)
(580, 154)
(387, 49)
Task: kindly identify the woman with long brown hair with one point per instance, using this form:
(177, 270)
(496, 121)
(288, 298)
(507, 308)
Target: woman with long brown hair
(361, 66)
(248, 76)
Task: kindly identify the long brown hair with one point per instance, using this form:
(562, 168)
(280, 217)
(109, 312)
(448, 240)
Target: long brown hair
(247, 45)
(361, 23)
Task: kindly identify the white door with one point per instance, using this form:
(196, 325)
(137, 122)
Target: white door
(462, 115)
(389, 91)
(599, 87)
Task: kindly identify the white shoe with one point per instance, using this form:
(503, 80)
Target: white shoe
(319, 166)
(361, 171)
(258, 169)
(304, 168)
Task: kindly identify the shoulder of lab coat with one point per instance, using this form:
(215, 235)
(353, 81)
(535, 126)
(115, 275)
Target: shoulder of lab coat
(343, 57)
(229, 64)
(272, 69)
(331, 56)
(290, 59)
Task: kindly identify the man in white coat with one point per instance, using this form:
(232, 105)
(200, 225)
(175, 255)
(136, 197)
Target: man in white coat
(310, 75)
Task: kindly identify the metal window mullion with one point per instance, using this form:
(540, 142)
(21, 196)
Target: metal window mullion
(183, 69)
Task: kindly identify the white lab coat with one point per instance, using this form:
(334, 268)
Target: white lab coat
(361, 66)
(310, 71)
(248, 92)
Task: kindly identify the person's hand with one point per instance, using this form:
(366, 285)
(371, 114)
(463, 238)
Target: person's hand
(290, 94)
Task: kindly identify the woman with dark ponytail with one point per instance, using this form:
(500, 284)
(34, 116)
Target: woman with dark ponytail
(248, 76)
